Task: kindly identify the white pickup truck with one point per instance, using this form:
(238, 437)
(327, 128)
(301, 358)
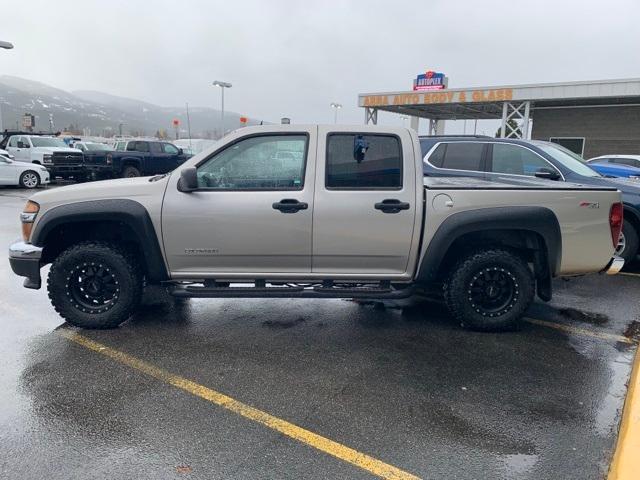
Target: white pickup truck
(51, 152)
(346, 212)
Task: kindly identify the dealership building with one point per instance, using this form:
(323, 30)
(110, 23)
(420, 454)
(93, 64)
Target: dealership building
(591, 118)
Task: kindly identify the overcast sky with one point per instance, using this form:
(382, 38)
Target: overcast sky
(293, 58)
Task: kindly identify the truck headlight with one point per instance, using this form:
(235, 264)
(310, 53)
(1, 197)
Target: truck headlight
(47, 158)
(27, 217)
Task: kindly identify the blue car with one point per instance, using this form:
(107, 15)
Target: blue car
(490, 158)
(627, 166)
(614, 170)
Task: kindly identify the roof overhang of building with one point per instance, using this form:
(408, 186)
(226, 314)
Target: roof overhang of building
(487, 102)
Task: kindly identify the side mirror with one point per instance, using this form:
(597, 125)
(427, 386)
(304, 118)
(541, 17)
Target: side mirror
(188, 180)
(547, 174)
(180, 152)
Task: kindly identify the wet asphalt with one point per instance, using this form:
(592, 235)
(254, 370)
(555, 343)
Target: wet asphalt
(400, 382)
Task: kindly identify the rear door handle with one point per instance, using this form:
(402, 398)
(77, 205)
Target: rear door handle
(392, 205)
(290, 205)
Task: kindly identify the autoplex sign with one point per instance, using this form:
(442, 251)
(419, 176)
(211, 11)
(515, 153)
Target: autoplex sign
(447, 96)
(429, 81)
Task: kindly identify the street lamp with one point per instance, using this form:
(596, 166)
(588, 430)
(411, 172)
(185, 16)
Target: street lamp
(6, 46)
(222, 85)
(336, 107)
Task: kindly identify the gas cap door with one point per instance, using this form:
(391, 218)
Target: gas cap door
(442, 202)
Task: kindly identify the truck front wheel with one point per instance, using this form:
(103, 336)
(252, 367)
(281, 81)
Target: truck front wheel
(489, 290)
(95, 285)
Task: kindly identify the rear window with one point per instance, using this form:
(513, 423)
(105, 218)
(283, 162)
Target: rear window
(138, 147)
(463, 156)
(437, 157)
(357, 161)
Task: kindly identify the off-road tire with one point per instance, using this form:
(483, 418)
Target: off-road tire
(130, 172)
(123, 272)
(631, 243)
(501, 267)
(26, 179)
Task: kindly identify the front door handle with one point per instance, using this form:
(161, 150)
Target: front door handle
(392, 205)
(290, 205)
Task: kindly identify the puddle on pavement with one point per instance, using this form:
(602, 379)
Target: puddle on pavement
(607, 411)
(585, 317)
(519, 464)
(283, 323)
(633, 330)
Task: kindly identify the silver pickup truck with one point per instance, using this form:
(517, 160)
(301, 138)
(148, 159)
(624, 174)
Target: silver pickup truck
(314, 212)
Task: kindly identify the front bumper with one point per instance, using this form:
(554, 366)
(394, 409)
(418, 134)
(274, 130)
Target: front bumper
(65, 170)
(24, 259)
(614, 266)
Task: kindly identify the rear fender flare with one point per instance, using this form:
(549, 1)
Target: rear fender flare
(539, 220)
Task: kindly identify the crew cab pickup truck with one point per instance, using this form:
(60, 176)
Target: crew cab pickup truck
(347, 214)
(51, 152)
(139, 157)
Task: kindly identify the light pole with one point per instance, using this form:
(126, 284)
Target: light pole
(222, 86)
(6, 46)
(336, 107)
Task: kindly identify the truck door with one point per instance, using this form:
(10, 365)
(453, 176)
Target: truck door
(166, 157)
(19, 147)
(250, 214)
(365, 203)
(157, 161)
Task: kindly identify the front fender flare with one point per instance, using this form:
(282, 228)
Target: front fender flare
(129, 212)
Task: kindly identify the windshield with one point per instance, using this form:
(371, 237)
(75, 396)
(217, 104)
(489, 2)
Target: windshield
(97, 147)
(569, 159)
(47, 142)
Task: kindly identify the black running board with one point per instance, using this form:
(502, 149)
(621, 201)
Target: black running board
(194, 291)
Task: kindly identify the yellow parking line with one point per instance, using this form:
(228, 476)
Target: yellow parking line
(579, 331)
(629, 274)
(354, 457)
(626, 459)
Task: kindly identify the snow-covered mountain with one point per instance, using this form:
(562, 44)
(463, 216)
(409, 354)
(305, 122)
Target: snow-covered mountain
(100, 112)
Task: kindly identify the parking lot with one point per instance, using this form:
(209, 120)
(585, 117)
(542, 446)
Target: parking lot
(313, 388)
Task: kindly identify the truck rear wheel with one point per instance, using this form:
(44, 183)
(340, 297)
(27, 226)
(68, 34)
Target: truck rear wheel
(95, 285)
(489, 290)
(130, 172)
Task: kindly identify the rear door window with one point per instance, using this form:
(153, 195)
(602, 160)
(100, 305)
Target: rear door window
(463, 156)
(358, 161)
(626, 161)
